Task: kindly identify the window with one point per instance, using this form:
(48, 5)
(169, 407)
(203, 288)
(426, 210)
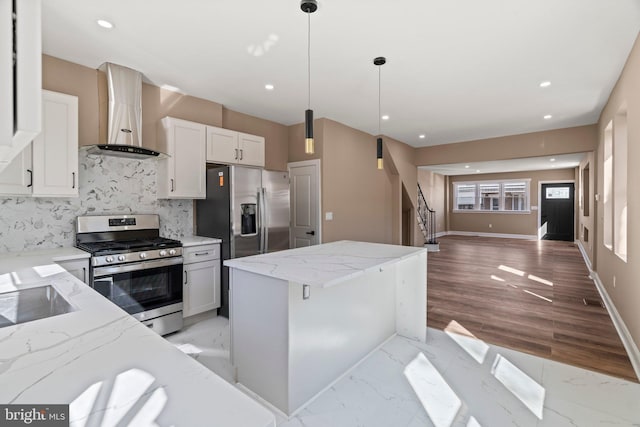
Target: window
(497, 196)
(586, 198)
(615, 185)
(515, 196)
(620, 185)
(489, 197)
(608, 186)
(465, 196)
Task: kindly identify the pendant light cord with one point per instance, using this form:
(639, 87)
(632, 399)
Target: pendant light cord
(379, 97)
(309, 60)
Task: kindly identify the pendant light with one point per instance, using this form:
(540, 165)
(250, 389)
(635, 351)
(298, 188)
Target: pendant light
(379, 62)
(308, 7)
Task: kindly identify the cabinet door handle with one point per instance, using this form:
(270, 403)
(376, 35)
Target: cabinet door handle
(185, 277)
(241, 153)
(73, 182)
(172, 185)
(84, 274)
(201, 253)
(236, 150)
(30, 178)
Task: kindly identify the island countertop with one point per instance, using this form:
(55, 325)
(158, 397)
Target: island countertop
(110, 368)
(324, 265)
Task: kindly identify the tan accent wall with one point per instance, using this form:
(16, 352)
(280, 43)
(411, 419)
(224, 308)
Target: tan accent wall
(434, 188)
(503, 223)
(358, 194)
(73, 79)
(275, 134)
(626, 292)
(403, 157)
(296, 141)
(586, 205)
(559, 141)
(158, 103)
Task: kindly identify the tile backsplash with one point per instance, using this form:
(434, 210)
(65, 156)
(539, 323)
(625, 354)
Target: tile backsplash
(107, 185)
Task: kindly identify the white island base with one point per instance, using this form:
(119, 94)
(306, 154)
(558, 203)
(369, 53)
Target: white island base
(302, 318)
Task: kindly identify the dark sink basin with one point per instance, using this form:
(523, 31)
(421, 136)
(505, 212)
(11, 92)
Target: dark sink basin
(31, 304)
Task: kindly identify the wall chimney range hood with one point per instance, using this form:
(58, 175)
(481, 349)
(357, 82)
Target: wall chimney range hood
(120, 109)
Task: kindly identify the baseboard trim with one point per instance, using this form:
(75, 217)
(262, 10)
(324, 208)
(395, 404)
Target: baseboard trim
(623, 332)
(441, 233)
(585, 256)
(499, 235)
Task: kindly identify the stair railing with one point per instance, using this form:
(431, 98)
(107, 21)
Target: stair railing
(426, 219)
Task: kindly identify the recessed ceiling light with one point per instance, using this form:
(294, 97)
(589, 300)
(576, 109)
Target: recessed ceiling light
(547, 117)
(268, 87)
(552, 159)
(385, 117)
(105, 24)
(545, 84)
(422, 136)
(466, 166)
(477, 170)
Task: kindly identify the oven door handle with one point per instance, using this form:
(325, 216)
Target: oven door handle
(136, 266)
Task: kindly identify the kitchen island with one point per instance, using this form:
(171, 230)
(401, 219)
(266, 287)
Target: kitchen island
(301, 318)
(110, 368)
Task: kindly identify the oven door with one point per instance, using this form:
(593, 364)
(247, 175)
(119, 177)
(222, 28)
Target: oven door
(154, 287)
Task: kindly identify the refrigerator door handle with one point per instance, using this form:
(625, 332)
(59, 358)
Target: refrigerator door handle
(260, 222)
(265, 222)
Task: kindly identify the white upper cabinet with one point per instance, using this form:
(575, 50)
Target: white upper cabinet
(231, 147)
(55, 150)
(251, 150)
(183, 174)
(20, 84)
(48, 167)
(222, 145)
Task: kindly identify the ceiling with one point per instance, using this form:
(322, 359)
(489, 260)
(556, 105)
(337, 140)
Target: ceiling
(560, 161)
(456, 70)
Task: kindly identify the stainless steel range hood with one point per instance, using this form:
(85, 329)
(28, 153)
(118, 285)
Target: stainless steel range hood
(120, 109)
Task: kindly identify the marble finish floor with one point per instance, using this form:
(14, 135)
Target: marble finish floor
(452, 380)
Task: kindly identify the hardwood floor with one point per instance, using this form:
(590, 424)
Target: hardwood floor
(524, 295)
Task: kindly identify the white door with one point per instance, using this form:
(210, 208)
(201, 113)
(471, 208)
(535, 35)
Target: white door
(304, 182)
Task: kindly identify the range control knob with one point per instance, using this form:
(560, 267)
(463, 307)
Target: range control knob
(109, 259)
(121, 258)
(172, 252)
(163, 253)
(143, 255)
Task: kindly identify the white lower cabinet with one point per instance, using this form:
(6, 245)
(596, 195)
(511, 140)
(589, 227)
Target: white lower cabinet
(201, 285)
(77, 267)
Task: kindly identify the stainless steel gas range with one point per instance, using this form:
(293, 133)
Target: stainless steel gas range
(134, 267)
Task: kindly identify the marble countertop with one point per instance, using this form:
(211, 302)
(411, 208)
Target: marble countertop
(12, 261)
(110, 368)
(324, 265)
(198, 240)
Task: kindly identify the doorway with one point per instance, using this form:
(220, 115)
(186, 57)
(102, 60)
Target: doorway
(557, 211)
(304, 185)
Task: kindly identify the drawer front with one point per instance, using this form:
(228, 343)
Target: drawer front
(201, 253)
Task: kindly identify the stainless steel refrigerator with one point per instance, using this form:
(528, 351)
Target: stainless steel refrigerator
(248, 208)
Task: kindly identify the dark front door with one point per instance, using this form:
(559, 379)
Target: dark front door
(557, 212)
